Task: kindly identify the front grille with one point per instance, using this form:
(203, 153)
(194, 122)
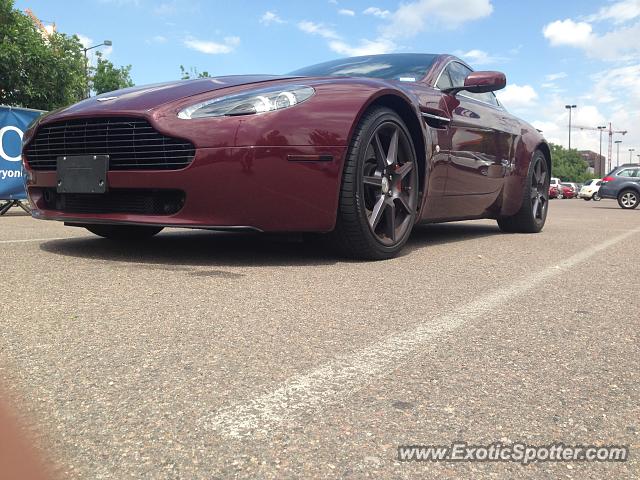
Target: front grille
(131, 143)
(137, 201)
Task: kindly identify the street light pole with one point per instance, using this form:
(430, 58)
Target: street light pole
(569, 107)
(631, 150)
(600, 159)
(106, 43)
(618, 142)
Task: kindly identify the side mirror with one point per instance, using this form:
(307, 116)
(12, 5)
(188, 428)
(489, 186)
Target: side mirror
(481, 82)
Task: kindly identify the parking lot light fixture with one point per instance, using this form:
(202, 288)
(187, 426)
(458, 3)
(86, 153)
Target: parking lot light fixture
(618, 142)
(570, 108)
(106, 43)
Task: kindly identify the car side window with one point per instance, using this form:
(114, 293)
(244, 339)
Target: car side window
(457, 73)
(627, 173)
(444, 81)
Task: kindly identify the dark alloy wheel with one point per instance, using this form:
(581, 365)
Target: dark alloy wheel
(535, 202)
(123, 232)
(379, 195)
(628, 199)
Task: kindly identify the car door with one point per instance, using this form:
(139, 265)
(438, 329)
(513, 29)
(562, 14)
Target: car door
(481, 143)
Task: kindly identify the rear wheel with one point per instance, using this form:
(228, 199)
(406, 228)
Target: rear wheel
(379, 192)
(123, 232)
(628, 199)
(535, 201)
(596, 197)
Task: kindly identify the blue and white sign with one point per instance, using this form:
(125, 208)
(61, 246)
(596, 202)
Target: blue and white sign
(13, 123)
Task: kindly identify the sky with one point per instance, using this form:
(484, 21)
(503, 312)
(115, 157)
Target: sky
(559, 52)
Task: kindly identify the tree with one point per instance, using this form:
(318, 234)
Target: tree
(38, 70)
(568, 165)
(192, 73)
(107, 78)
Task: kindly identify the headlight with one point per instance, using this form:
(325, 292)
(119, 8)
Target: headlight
(249, 103)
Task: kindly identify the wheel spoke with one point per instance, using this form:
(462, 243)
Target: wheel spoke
(373, 180)
(392, 154)
(404, 202)
(404, 169)
(390, 220)
(376, 214)
(536, 204)
(377, 148)
(543, 178)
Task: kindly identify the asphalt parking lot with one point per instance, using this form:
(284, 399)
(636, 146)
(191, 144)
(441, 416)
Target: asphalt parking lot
(202, 355)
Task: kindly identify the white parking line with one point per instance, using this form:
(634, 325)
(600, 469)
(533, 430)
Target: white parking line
(34, 240)
(340, 377)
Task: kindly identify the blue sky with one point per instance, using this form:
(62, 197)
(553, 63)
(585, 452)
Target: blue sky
(554, 52)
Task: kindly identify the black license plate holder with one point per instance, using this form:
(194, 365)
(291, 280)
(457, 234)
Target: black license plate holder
(82, 174)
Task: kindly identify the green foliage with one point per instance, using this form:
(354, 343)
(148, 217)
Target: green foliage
(37, 71)
(192, 73)
(47, 71)
(107, 78)
(568, 165)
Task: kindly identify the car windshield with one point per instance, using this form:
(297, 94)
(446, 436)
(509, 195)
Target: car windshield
(409, 67)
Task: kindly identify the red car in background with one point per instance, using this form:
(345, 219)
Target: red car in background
(568, 191)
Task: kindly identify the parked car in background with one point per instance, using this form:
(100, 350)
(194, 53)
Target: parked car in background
(623, 184)
(554, 192)
(589, 190)
(576, 187)
(569, 190)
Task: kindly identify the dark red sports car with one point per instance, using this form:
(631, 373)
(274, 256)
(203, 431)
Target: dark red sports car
(361, 149)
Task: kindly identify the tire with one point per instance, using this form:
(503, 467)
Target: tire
(532, 214)
(586, 199)
(379, 190)
(629, 199)
(560, 196)
(596, 197)
(123, 232)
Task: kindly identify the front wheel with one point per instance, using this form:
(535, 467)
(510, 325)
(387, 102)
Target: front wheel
(535, 201)
(628, 199)
(586, 199)
(379, 192)
(123, 232)
(596, 197)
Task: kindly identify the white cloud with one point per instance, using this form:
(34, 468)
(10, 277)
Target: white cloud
(318, 29)
(167, 8)
(412, 18)
(212, 48)
(270, 17)
(479, 57)
(618, 12)
(517, 96)
(365, 47)
(346, 12)
(157, 39)
(568, 32)
(377, 12)
(555, 76)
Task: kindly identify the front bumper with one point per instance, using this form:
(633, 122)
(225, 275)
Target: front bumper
(262, 188)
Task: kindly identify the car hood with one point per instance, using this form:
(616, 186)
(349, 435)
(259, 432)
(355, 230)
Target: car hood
(147, 97)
